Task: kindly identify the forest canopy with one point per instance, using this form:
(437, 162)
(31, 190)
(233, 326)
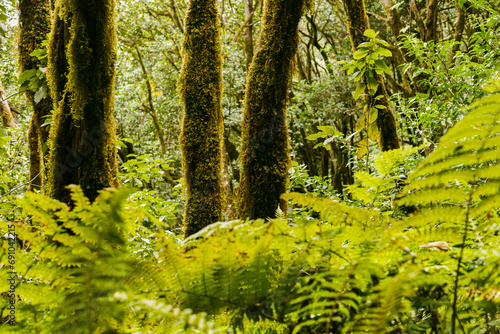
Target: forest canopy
(250, 166)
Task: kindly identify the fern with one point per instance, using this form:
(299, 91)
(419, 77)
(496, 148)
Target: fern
(77, 273)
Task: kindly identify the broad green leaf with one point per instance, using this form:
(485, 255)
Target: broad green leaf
(372, 85)
(381, 66)
(366, 45)
(346, 67)
(317, 135)
(370, 33)
(26, 76)
(373, 115)
(382, 42)
(359, 90)
(383, 52)
(362, 148)
(359, 75)
(360, 125)
(330, 130)
(373, 131)
(361, 53)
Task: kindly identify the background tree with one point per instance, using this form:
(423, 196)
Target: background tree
(200, 86)
(7, 119)
(83, 135)
(264, 155)
(34, 27)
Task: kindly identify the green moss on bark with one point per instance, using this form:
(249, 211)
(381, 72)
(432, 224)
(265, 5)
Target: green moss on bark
(265, 150)
(34, 27)
(82, 55)
(200, 86)
(357, 24)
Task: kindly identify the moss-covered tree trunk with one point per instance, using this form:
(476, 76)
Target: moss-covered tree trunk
(357, 24)
(200, 86)
(34, 27)
(82, 54)
(264, 152)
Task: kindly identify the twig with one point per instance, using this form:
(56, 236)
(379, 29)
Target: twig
(8, 97)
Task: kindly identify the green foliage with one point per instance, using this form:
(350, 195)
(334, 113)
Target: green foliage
(364, 68)
(355, 270)
(391, 168)
(344, 269)
(35, 79)
(454, 81)
(300, 180)
(4, 17)
(77, 270)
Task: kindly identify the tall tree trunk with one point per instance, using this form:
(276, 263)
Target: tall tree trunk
(7, 119)
(82, 55)
(249, 32)
(200, 86)
(34, 26)
(265, 154)
(357, 24)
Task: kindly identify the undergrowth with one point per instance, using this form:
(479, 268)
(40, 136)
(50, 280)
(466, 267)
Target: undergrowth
(99, 269)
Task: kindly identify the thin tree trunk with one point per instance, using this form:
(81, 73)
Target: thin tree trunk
(431, 21)
(265, 153)
(459, 28)
(35, 177)
(200, 86)
(151, 110)
(34, 26)
(357, 24)
(226, 182)
(7, 118)
(249, 32)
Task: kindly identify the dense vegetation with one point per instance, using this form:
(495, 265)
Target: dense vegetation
(359, 155)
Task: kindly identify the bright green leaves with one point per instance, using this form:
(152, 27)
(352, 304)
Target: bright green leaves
(359, 90)
(361, 53)
(372, 85)
(380, 67)
(364, 69)
(328, 132)
(35, 79)
(377, 188)
(366, 62)
(371, 34)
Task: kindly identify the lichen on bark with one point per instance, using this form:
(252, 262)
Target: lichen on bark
(82, 55)
(200, 87)
(265, 150)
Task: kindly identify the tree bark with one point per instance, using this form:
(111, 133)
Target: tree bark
(34, 26)
(431, 21)
(200, 86)
(249, 32)
(82, 55)
(264, 153)
(7, 118)
(459, 28)
(357, 24)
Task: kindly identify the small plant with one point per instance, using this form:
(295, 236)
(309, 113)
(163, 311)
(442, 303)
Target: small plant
(368, 63)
